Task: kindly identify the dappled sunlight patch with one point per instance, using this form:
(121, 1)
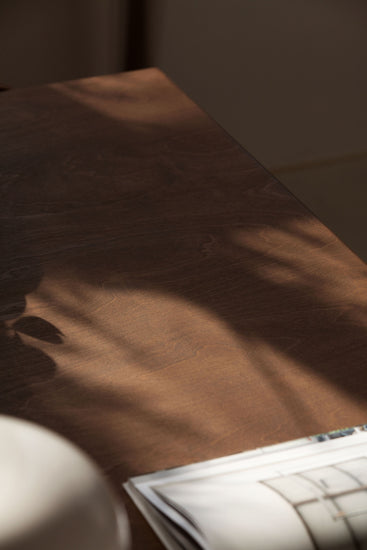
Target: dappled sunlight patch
(143, 97)
(172, 360)
(285, 261)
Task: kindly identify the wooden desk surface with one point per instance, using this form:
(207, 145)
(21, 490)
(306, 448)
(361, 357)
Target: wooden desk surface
(163, 299)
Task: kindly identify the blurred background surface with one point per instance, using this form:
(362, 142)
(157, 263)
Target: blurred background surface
(285, 78)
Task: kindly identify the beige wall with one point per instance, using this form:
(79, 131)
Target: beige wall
(48, 40)
(286, 78)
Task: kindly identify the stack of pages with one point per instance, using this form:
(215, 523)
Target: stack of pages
(305, 494)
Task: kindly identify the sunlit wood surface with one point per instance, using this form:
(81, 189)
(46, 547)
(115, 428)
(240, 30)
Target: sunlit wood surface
(163, 299)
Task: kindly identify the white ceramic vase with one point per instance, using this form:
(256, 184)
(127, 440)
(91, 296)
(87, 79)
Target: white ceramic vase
(52, 496)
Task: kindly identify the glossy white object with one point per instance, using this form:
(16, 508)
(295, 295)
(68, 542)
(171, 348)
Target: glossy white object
(52, 496)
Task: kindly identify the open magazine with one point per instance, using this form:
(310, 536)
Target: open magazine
(306, 494)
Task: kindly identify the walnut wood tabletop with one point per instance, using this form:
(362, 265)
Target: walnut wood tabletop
(163, 298)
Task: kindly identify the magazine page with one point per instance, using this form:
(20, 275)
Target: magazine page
(302, 494)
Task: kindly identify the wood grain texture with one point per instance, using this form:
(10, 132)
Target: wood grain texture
(163, 298)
